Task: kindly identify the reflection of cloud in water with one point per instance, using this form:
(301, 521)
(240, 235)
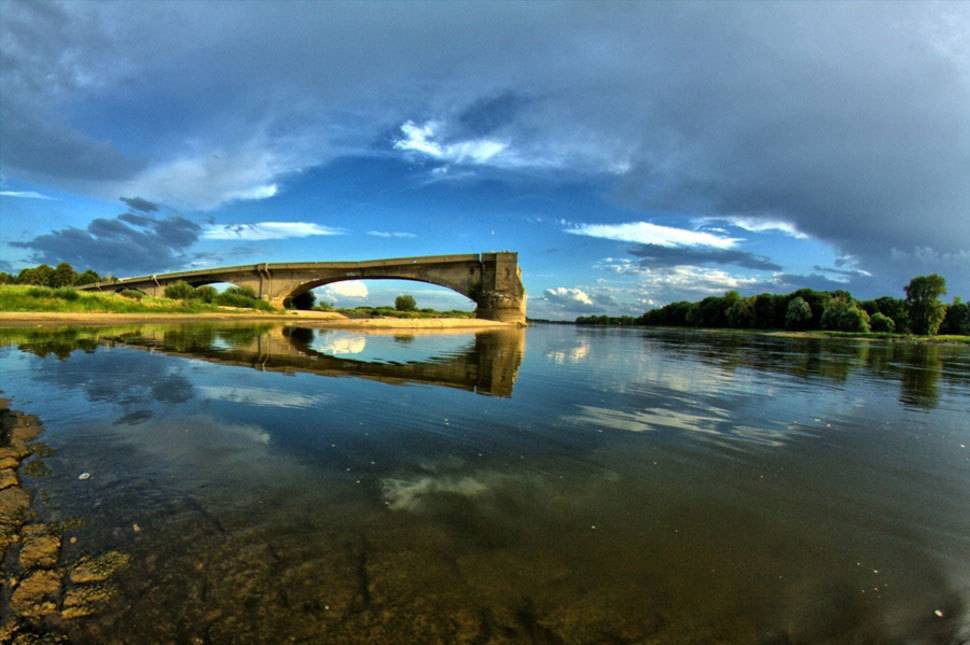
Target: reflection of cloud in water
(261, 396)
(338, 345)
(411, 494)
(716, 424)
(575, 354)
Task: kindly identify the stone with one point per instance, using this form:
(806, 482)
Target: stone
(9, 462)
(39, 548)
(14, 502)
(100, 568)
(86, 600)
(36, 595)
(8, 478)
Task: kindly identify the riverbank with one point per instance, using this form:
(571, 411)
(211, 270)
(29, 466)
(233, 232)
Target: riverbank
(308, 318)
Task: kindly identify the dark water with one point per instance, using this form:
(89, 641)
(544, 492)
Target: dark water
(555, 485)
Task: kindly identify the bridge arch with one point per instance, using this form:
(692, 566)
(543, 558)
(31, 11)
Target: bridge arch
(310, 285)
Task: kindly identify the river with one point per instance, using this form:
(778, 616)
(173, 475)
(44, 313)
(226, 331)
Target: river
(558, 484)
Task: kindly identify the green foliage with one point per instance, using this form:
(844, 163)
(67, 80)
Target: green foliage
(40, 292)
(798, 314)
(243, 297)
(87, 277)
(843, 314)
(205, 293)
(882, 323)
(740, 313)
(926, 312)
(894, 308)
(957, 319)
(179, 290)
(6, 278)
(132, 293)
(303, 301)
(66, 293)
(63, 276)
(405, 303)
(39, 275)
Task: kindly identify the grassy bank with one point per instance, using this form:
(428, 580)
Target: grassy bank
(66, 300)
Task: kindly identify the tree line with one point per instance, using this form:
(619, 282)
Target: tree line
(920, 312)
(63, 275)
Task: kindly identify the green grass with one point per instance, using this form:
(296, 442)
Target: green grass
(66, 300)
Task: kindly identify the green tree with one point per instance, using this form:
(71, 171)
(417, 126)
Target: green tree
(205, 293)
(957, 319)
(926, 312)
(842, 314)
(40, 275)
(63, 276)
(881, 322)
(405, 303)
(6, 278)
(87, 277)
(740, 314)
(304, 300)
(179, 290)
(798, 314)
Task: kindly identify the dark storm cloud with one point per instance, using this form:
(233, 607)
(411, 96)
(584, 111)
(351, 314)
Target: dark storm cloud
(139, 204)
(124, 245)
(653, 255)
(849, 120)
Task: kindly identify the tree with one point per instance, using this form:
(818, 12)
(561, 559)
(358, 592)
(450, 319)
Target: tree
(405, 303)
(63, 276)
(842, 314)
(205, 293)
(39, 275)
(304, 300)
(740, 314)
(88, 277)
(882, 323)
(926, 312)
(957, 319)
(179, 290)
(798, 314)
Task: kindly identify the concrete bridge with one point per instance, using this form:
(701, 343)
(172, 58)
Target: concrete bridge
(492, 280)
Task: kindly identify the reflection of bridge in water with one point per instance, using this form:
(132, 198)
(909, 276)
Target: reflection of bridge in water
(489, 365)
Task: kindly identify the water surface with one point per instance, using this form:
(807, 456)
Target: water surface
(559, 484)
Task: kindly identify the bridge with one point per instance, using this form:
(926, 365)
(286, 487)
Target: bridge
(492, 280)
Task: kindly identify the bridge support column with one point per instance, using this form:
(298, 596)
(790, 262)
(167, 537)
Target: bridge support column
(501, 296)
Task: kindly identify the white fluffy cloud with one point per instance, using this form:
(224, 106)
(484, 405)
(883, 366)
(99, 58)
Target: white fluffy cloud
(349, 289)
(648, 233)
(394, 234)
(267, 231)
(569, 296)
(23, 194)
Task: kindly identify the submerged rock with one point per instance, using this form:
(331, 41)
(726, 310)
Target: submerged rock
(40, 548)
(86, 600)
(8, 478)
(36, 596)
(100, 568)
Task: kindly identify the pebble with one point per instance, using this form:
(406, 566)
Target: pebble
(938, 613)
(84, 476)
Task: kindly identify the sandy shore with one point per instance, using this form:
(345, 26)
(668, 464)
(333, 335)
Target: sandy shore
(312, 318)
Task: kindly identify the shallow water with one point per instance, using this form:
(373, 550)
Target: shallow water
(557, 484)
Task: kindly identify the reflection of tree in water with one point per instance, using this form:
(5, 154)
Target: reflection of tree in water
(917, 366)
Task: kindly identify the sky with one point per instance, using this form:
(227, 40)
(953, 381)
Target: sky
(633, 154)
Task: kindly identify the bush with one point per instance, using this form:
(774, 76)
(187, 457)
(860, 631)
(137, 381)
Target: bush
(246, 292)
(40, 292)
(882, 323)
(206, 293)
(405, 303)
(134, 294)
(303, 301)
(241, 297)
(66, 293)
(179, 290)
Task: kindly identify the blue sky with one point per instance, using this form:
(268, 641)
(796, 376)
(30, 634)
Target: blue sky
(633, 154)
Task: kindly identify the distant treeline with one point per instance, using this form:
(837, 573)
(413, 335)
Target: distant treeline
(63, 275)
(920, 312)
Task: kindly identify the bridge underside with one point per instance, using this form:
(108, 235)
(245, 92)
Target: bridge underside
(492, 280)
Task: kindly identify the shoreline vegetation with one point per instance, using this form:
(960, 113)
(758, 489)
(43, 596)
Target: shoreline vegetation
(920, 316)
